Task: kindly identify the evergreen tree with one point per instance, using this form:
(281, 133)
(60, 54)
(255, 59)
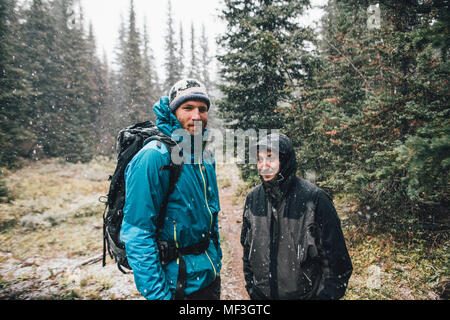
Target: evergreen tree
(118, 118)
(119, 48)
(264, 56)
(194, 71)
(205, 72)
(342, 77)
(181, 53)
(71, 136)
(38, 57)
(92, 90)
(171, 61)
(407, 168)
(133, 78)
(377, 107)
(15, 114)
(99, 96)
(151, 82)
(60, 67)
(106, 122)
(205, 61)
(116, 80)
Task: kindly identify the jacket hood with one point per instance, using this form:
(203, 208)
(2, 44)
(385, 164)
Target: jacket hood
(166, 121)
(280, 143)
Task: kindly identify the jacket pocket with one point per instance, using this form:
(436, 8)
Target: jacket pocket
(308, 279)
(307, 248)
(255, 293)
(309, 272)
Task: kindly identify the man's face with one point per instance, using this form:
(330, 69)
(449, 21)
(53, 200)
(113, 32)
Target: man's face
(268, 164)
(193, 116)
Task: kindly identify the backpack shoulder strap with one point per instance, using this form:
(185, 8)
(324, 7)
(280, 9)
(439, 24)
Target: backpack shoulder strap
(174, 175)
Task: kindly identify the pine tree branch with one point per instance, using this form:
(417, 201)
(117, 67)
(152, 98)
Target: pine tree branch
(351, 63)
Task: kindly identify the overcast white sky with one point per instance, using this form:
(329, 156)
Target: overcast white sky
(105, 16)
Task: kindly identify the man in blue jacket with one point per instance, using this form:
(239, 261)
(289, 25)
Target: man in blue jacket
(191, 222)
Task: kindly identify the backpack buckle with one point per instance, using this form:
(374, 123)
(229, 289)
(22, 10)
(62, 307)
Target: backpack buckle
(167, 252)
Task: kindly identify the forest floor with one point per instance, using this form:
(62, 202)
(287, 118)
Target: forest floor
(51, 236)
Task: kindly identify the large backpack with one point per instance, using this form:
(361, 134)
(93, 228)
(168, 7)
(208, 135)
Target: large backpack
(130, 140)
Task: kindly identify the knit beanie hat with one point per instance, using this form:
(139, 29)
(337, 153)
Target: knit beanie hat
(185, 90)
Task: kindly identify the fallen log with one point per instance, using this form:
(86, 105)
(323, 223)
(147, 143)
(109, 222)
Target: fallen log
(91, 260)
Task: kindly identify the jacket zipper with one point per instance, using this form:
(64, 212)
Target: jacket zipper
(175, 233)
(175, 238)
(206, 199)
(209, 210)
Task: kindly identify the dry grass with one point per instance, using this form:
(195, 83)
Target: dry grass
(53, 224)
(390, 264)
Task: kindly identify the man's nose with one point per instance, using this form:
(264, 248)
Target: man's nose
(196, 114)
(265, 163)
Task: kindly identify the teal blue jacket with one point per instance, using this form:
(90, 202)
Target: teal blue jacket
(192, 213)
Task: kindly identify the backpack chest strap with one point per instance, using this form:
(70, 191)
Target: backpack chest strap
(168, 251)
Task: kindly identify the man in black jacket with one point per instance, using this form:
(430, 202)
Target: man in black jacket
(293, 244)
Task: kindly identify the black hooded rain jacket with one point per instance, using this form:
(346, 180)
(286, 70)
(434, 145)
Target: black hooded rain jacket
(293, 244)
